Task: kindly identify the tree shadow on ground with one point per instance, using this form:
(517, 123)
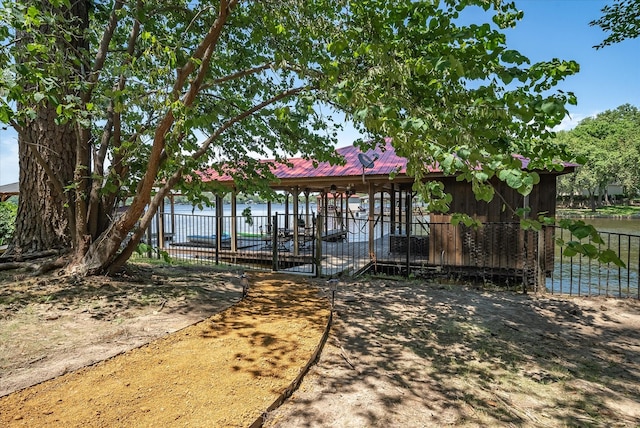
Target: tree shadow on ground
(454, 354)
(192, 289)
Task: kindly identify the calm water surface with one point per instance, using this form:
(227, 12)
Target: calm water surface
(629, 226)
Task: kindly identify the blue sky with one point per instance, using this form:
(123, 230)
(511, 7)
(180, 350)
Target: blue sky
(608, 77)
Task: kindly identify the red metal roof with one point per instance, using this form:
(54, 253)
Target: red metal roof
(387, 162)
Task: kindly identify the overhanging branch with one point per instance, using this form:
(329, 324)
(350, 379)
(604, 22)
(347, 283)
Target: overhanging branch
(228, 124)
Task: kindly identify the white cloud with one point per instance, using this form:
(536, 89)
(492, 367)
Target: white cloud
(9, 170)
(571, 121)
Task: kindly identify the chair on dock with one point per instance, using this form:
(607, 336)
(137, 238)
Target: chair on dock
(334, 235)
(283, 237)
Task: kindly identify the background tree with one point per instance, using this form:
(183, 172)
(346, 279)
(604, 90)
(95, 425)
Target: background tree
(147, 93)
(621, 19)
(609, 148)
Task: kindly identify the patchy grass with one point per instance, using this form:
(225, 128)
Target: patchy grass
(608, 211)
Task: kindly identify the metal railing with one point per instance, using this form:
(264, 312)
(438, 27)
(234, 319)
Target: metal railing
(279, 242)
(500, 253)
(580, 275)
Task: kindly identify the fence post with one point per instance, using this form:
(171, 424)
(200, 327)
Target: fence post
(160, 225)
(218, 229)
(319, 224)
(541, 260)
(408, 208)
(274, 244)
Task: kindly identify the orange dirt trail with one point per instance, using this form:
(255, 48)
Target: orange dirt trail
(224, 371)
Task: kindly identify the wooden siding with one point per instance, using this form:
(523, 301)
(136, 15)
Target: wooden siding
(542, 199)
(501, 244)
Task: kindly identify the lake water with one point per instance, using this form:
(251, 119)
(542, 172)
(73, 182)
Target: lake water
(190, 221)
(628, 226)
(586, 276)
(256, 209)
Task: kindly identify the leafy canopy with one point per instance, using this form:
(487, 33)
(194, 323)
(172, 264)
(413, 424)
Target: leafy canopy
(446, 90)
(621, 20)
(451, 92)
(162, 90)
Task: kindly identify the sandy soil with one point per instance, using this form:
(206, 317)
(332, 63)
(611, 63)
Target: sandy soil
(224, 371)
(400, 353)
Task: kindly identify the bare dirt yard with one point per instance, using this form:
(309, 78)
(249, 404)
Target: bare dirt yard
(410, 354)
(400, 353)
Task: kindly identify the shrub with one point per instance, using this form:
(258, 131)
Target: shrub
(8, 212)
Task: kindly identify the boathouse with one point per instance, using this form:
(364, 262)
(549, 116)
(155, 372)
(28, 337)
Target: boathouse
(393, 234)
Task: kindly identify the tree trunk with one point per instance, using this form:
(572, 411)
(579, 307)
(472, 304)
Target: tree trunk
(47, 150)
(42, 221)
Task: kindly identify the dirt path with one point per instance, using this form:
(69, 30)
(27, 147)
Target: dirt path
(224, 371)
(409, 354)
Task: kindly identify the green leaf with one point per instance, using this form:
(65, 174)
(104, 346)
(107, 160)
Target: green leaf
(581, 232)
(590, 250)
(5, 113)
(569, 252)
(609, 256)
(529, 224)
(549, 107)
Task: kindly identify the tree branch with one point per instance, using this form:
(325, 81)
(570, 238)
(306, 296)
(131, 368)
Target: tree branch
(228, 124)
(238, 75)
(176, 176)
(210, 40)
(143, 191)
(112, 133)
(103, 49)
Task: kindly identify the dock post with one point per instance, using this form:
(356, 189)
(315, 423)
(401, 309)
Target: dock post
(319, 232)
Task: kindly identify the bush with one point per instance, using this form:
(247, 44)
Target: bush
(8, 212)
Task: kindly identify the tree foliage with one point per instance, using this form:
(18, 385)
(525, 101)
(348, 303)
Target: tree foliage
(453, 94)
(621, 20)
(608, 146)
(159, 90)
(8, 212)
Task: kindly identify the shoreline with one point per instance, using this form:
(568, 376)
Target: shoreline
(599, 215)
(630, 214)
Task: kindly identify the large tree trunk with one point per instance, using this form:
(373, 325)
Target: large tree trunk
(47, 150)
(42, 222)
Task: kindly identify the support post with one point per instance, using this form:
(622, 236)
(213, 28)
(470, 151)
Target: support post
(319, 224)
(296, 242)
(173, 215)
(160, 225)
(234, 216)
(274, 244)
(372, 252)
(392, 214)
(408, 209)
(219, 212)
(542, 261)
